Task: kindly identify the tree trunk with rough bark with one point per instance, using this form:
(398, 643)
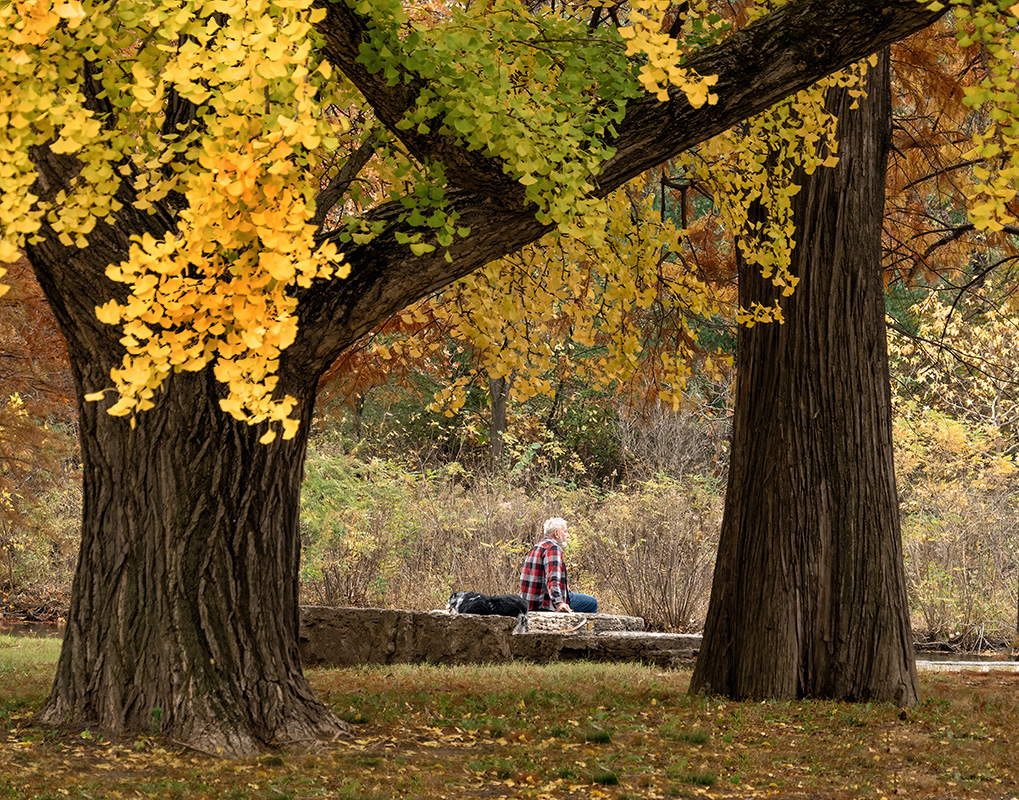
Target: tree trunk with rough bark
(184, 614)
(184, 607)
(809, 594)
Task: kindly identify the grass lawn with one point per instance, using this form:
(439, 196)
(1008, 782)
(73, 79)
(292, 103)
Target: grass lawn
(568, 730)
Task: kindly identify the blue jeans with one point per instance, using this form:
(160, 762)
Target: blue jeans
(583, 603)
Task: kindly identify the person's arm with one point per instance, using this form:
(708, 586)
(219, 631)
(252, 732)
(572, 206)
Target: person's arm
(555, 575)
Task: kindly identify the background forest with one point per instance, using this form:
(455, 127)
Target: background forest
(600, 390)
(403, 503)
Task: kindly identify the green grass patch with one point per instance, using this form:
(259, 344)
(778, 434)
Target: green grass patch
(677, 731)
(28, 653)
(605, 778)
(557, 731)
(597, 736)
(26, 674)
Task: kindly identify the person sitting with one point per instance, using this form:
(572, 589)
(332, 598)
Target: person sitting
(543, 582)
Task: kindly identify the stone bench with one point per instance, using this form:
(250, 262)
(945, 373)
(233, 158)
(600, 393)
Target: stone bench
(340, 637)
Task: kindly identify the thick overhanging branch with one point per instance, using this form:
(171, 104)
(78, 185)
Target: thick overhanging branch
(770, 59)
(345, 30)
(757, 66)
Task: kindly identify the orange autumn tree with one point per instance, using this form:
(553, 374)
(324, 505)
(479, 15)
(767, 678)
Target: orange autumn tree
(955, 344)
(37, 394)
(163, 170)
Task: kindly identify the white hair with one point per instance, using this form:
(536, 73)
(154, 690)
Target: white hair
(554, 524)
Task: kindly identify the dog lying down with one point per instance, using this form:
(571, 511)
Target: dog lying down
(502, 605)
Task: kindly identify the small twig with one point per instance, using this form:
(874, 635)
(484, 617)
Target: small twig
(329, 196)
(197, 749)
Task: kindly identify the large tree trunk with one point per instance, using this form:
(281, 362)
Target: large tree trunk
(184, 614)
(809, 596)
(184, 608)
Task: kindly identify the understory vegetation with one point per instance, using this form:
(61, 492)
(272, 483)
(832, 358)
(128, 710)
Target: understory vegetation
(555, 731)
(412, 510)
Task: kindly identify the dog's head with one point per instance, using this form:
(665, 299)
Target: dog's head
(455, 601)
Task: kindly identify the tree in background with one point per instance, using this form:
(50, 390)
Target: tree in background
(949, 278)
(160, 171)
(809, 596)
(36, 403)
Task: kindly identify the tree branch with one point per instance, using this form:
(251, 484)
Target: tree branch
(345, 33)
(770, 59)
(330, 196)
(757, 66)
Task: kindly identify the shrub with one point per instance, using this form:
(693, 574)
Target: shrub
(960, 526)
(655, 546)
(379, 533)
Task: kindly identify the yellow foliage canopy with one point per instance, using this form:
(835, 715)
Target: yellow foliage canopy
(217, 287)
(212, 114)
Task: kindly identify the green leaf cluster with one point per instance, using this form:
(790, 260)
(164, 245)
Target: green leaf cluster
(536, 91)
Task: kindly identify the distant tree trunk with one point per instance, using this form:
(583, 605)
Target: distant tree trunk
(809, 593)
(358, 414)
(498, 389)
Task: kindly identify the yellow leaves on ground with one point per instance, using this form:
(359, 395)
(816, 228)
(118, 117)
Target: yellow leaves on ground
(217, 288)
(431, 731)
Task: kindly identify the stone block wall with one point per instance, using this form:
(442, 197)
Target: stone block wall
(342, 637)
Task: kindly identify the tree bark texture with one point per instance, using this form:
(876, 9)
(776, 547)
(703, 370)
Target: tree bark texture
(184, 613)
(184, 607)
(809, 596)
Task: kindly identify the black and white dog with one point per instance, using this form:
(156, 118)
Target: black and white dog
(503, 605)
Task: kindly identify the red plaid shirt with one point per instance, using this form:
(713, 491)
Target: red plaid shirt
(543, 578)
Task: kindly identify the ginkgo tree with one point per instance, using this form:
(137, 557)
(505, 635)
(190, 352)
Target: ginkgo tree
(809, 594)
(163, 171)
